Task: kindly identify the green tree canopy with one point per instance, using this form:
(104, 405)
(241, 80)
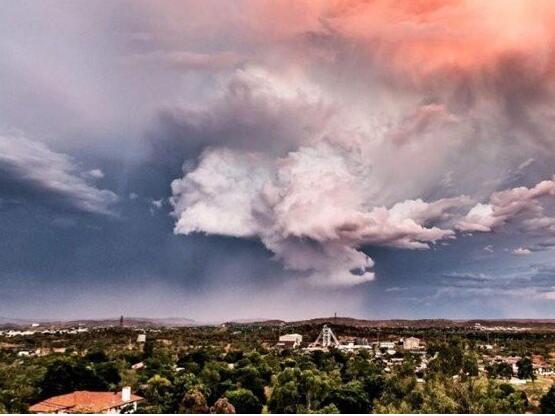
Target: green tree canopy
(244, 401)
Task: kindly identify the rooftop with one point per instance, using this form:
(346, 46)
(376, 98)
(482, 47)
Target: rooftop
(83, 401)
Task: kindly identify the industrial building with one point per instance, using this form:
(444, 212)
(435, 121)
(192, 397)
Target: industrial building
(290, 341)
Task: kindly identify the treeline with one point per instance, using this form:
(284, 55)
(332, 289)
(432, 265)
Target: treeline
(247, 378)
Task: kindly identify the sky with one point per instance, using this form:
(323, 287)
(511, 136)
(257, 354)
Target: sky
(255, 159)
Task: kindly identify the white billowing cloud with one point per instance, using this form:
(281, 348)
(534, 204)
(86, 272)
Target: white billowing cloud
(218, 196)
(307, 207)
(506, 205)
(520, 251)
(316, 189)
(479, 218)
(31, 169)
(94, 174)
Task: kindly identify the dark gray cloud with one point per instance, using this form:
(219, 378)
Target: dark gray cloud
(31, 173)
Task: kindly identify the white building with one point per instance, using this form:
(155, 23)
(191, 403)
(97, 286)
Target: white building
(352, 346)
(543, 370)
(293, 339)
(411, 343)
(138, 366)
(388, 345)
(141, 338)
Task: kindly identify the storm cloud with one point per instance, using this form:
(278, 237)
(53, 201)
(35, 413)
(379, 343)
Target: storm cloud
(317, 172)
(343, 154)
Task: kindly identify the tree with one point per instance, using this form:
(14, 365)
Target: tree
(108, 372)
(547, 402)
(96, 356)
(315, 386)
(244, 401)
(486, 396)
(158, 394)
(449, 358)
(222, 406)
(358, 367)
(65, 376)
(148, 349)
(349, 398)
(194, 402)
(500, 370)
(285, 395)
(525, 369)
(436, 398)
(470, 365)
(199, 357)
(374, 386)
(249, 378)
(330, 409)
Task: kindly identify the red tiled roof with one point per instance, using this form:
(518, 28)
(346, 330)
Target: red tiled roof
(82, 402)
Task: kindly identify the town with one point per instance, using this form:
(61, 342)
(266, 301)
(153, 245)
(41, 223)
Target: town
(327, 365)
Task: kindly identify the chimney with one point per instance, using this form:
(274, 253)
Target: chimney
(126, 394)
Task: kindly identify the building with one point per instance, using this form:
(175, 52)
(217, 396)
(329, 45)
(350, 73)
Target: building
(387, 345)
(141, 338)
(543, 370)
(44, 351)
(295, 339)
(353, 344)
(411, 343)
(89, 402)
(285, 345)
(138, 366)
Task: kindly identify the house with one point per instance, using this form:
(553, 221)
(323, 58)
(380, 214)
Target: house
(543, 370)
(89, 402)
(411, 343)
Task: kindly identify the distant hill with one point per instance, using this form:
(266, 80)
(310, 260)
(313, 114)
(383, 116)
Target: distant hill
(546, 324)
(543, 324)
(6, 322)
(108, 322)
(255, 322)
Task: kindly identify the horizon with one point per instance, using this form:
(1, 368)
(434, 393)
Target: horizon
(6, 319)
(206, 160)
